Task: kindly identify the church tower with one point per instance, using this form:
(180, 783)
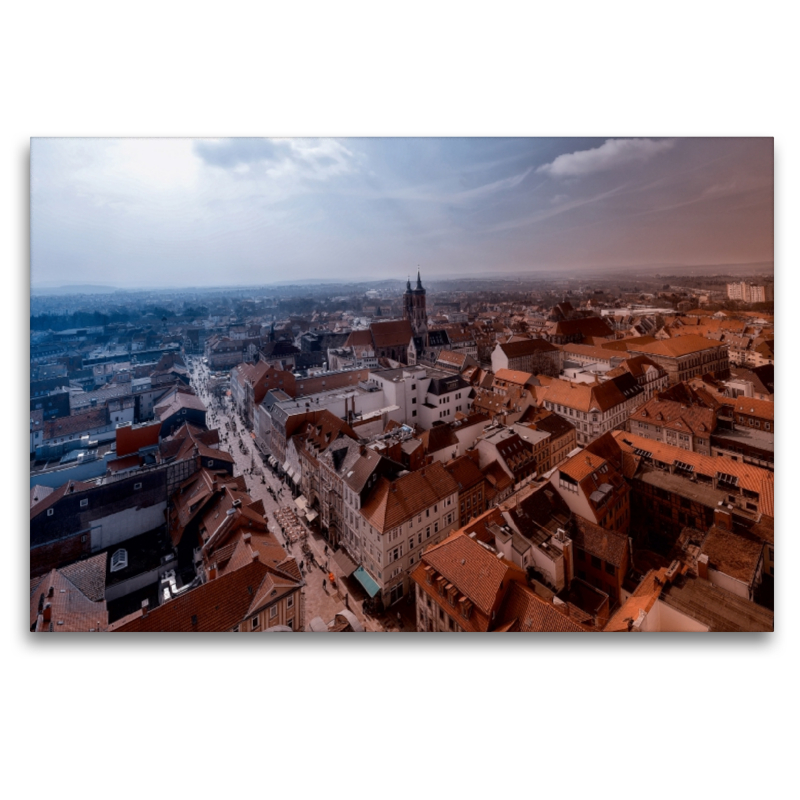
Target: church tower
(414, 308)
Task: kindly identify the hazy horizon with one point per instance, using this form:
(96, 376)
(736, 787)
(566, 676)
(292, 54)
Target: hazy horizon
(168, 213)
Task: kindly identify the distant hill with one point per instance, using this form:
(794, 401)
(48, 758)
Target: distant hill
(78, 288)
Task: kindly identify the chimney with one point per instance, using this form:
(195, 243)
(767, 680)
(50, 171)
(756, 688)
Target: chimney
(702, 566)
(145, 607)
(723, 519)
(47, 613)
(50, 592)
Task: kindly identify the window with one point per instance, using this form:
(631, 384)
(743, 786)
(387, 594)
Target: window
(580, 555)
(290, 601)
(84, 502)
(253, 623)
(596, 563)
(290, 623)
(428, 532)
(119, 560)
(273, 612)
(50, 512)
(610, 569)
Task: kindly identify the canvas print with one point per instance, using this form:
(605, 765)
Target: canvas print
(402, 385)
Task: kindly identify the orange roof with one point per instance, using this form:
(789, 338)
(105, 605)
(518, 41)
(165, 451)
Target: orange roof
(642, 600)
(582, 464)
(392, 503)
(513, 376)
(585, 396)
(678, 346)
(765, 409)
(477, 573)
(752, 478)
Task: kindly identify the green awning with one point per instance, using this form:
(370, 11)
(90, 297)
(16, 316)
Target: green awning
(365, 579)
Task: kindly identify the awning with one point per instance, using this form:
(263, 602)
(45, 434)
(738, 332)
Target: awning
(345, 563)
(285, 466)
(301, 502)
(272, 461)
(365, 579)
(311, 515)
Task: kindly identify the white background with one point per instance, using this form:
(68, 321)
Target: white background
(395, 716)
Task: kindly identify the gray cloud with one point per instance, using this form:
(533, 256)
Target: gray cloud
(230, 153)
(611, 154)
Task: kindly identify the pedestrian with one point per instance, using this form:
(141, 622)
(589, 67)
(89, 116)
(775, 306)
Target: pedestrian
(324, 585)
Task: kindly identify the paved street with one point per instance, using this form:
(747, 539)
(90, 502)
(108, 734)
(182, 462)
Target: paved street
(319, 601)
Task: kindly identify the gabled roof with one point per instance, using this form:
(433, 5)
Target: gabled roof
(610, 546)
(527, 347)
(478, 574)
(76, 595)
(361, 338)
(677, 346)
(750, 477)
(394, 502)
(465, 472)
(75, 423)
(765, 409)
(524, 611)
(218, 605)
(585, 396)
(396, 333)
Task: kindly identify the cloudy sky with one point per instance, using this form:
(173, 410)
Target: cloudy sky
(203, 212)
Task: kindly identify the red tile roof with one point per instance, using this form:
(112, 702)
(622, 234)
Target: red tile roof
(393, 502)
(477, 573)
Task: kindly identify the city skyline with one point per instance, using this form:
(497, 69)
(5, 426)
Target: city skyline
(167, 212)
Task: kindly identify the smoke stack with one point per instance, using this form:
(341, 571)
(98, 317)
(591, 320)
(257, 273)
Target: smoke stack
(212, 572)
(723, 519)
(47, 612)
(145, 607)
(702, 566)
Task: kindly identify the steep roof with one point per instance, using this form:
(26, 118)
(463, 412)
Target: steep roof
(527, 347)
(465, 472)
(585, 396)
(694, 419)
(218, 605)
(75, 423)
(525, 612)
(361, 338)
(396, 333)
(478, 574)
(610, 546)
(765, 409)
(393, 502)
(76, 595)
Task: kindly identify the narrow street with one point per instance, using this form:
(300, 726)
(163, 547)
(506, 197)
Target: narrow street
(323, 602)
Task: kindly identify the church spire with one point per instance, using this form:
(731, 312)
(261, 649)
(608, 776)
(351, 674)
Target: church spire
(408, 284)
(419, 280)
